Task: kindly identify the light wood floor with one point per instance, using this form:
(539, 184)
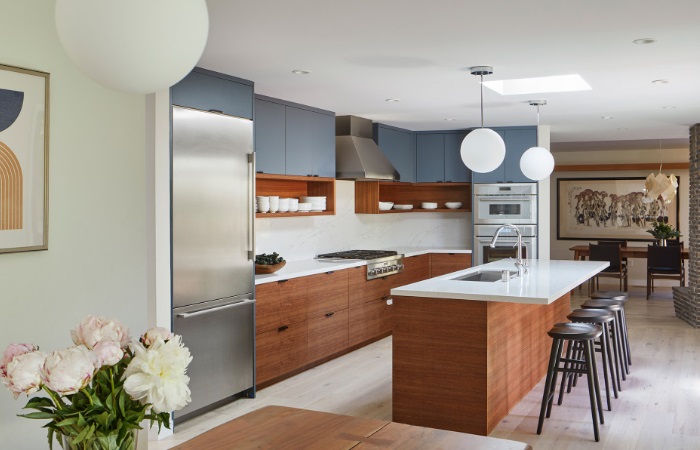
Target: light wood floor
(659, 407)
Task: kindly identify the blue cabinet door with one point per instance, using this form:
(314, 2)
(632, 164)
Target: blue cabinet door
(517, 142)
(269, 137)
(399, 146)
(430, 157)
(310, 143)
(211, 91)
(496, 176)
(455, 169)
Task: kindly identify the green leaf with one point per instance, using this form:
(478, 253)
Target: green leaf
(79, 438)
(67, 422)
(37, 415)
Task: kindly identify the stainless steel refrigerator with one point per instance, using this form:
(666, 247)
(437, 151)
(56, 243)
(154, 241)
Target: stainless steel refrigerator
(213, 182)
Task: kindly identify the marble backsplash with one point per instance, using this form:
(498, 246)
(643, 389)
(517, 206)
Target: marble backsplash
(298, 238)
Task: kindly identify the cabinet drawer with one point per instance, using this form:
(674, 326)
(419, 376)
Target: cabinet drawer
(280, 351)
(369, 320)
(280, 303)
(363, 290)
(327, 292)
(416, 268)
(328, 334)
(442, 263)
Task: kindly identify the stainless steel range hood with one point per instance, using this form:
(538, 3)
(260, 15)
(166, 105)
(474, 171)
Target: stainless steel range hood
(357, 156)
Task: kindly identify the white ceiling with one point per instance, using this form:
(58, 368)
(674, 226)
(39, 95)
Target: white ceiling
(361, 52)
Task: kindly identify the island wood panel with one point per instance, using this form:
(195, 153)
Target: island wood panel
(280, 351)
(369, 320)
(280, 303)
(328, 334)
(518, 352)
(443, 263)
(327, 292)
(459, 359)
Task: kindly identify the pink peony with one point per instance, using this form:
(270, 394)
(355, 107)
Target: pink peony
(24, 373)
(68, 371)
(97, 329)
(12, 351)
(107, 353)
(150, 336)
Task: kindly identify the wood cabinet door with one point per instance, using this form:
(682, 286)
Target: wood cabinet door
(328, 334)
(363, 290)
(280, 303)
(416, 268)
(369, 320)
(280, 351)
(442, 263)
(327, 292)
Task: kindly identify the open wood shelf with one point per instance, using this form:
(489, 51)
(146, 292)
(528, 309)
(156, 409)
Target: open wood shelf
(294, 186)
(368, 194)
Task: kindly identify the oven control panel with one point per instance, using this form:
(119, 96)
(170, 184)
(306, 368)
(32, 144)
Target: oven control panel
(384, 267)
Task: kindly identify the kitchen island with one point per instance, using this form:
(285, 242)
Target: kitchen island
(466, 352)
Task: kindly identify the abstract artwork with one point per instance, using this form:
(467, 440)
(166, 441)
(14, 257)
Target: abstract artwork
(609, 208)
(24, 137)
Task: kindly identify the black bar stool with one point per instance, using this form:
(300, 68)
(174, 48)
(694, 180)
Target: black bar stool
(620, 323)
(604, 318)
(562, 333)
(623, 297)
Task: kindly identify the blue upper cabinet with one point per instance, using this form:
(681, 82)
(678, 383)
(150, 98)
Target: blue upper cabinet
(399, 146)
(293, 139)
(269, 136)
(430, 157)
(455, 170)
(517, 140)
(212, 91)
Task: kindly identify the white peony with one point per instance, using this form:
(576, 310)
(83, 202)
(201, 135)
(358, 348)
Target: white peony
(12, 351)
(95, 329)
(23, 374)
(68, 371)
(150, 336)
(156, 374)
(107, 353)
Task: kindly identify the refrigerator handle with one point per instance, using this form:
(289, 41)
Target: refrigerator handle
(214, 309)
(251, 206)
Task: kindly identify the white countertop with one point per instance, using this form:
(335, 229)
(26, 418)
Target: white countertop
(545, 282)
(295, 269)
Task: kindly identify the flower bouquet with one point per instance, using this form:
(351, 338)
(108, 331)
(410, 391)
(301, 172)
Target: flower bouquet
(100, 390)
(663, 231)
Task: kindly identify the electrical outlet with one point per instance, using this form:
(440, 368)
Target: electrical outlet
(630, 262)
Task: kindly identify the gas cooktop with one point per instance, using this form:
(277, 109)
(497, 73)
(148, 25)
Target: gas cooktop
(380, 263)
(359, 254)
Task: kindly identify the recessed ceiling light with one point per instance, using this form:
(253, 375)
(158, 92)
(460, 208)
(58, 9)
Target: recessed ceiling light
(450, 119)
(661, 81)
(607, 117)
(301, 72)
(668, 107)
(643, 41)
(392, 100)
(559, 83)
(622, 129)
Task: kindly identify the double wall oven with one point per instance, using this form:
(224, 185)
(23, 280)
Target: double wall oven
(500, 204)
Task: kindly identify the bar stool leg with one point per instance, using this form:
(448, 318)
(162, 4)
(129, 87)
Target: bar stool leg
(603, 355)
(566, 375)
(623, 320)
(594, 369)
(553, 357)
(624, 368)
(608, 352)
(591, 391)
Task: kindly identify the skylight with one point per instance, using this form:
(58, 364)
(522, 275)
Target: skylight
(540, 85)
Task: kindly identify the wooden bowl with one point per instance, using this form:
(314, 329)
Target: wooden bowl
(268, 268)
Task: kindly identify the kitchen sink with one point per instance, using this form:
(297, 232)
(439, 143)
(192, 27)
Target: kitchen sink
(488, 276)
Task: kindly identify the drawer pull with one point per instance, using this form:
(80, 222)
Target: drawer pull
(330, 272)
(329, 314)
(282, 328)
(386, 297)
(216, 111)
(282, 281)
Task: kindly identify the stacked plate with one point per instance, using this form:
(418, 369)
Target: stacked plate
(317, 203)
(403, 207)
(262, 204)
(304, 207)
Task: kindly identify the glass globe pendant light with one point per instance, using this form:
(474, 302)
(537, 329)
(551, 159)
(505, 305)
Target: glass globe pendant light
(537, 163)
(482, 150)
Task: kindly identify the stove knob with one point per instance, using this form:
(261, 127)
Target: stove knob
(400, 266)
(394, 268)
(371, 272)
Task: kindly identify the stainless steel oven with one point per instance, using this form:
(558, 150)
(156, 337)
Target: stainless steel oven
(506, 244)
(514, 203)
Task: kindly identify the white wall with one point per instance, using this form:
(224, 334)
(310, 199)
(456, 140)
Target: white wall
(96, 261)
(637, 271)
(297, 238)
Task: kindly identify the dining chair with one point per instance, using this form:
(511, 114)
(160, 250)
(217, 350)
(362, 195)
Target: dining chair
(620, 242)
(616, 269)
(664, 263)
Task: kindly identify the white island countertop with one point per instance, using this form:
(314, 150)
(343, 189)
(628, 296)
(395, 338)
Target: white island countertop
(545, 282)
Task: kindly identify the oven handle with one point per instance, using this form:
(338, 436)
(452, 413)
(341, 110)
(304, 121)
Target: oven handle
(498, 198)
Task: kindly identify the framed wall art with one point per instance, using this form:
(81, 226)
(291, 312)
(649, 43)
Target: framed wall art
(24, 151)
(609, 208)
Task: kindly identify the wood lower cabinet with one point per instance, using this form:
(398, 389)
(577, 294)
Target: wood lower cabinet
(442, 263)
(281, 351)
(370, 320)
(416, 268)
(363, 290)
(280, 303)
(326, 292)
(328, 334)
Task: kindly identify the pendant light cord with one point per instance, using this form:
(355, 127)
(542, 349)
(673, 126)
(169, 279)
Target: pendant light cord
(482, 100)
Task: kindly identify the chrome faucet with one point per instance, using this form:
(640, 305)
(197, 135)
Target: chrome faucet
(519, 263)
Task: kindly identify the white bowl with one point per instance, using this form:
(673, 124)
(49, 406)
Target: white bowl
(428, 205)
(264, 208)
(403, 207)
(453, 205)
(385, 206)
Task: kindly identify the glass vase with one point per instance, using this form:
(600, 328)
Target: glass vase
(108, 442)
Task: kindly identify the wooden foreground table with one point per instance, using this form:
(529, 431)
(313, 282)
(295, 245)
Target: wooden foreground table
(279, 427)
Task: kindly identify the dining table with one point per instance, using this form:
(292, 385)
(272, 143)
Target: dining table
(581, 252)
